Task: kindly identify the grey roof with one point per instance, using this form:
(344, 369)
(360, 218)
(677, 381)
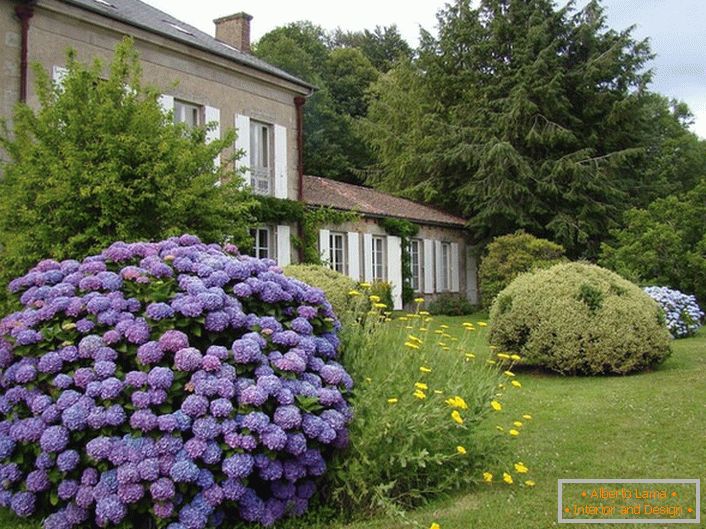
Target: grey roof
(144, 16)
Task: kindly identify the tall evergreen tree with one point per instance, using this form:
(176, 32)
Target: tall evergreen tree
(527, 116)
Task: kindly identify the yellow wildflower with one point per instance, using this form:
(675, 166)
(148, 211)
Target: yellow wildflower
(421, 385)
(419, 300)
(507, 478)
(353, 293)
(470, 355)
(500, 428)
(493, 347)
(517, 423)
(461, 450)
(435, 526)
(456, 416)
(423, 329)
(420, 394)
(68, 326)
(365, 285)
(457, 402)
(412, 345)
(441, 344)
(392, 401)
(423, 313)
(514, 432)
(374, 298)
(491, 362)
(467, 323)
(438, 331)
(438, 391)
(527, 416)
(530, 483)
(496, 405)
(487, 476)
(414, 338)
(409, 327)
(504, 356)
(443, 326)
(368, 379)
(516, 383)
(424, 369)
(521, 468)
(403, 318)
(508, 373)
(379, 305)
(516, 358)
(482, 324)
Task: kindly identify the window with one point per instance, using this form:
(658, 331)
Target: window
(262, 242)
(378, 258)
(445, 266)
(415, 255)
(337, 252)
(188, 113)
(261, 158)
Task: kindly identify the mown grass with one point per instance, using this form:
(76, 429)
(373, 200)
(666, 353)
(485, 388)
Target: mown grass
(648, 425)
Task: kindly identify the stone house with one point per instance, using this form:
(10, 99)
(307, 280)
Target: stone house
(207, 79)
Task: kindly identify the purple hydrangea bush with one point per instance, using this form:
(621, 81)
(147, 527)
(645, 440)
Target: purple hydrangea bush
(682, 313)
(174, 381)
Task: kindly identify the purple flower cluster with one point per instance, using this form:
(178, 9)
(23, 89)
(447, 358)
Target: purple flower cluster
(681, 311)
(154, 378)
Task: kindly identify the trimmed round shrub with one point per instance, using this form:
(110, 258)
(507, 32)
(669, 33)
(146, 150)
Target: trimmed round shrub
(335, 285)
(578, 318)
(174, 380)
(681, 311)
(508, 256)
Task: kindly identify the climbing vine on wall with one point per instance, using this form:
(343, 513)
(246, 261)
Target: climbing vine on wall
(405, 230)
(271, 210)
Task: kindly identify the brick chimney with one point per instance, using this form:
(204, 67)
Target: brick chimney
(234, 30)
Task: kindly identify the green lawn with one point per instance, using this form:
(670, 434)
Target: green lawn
(649, 425)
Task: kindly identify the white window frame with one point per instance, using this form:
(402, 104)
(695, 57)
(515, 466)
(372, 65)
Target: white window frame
(338, 252)
(262, 159)
(416, 264)
(445, 266)
(262, 250)
(188, 113)
(379, 258)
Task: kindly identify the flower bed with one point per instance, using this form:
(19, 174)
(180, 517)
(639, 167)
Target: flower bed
(171, 380)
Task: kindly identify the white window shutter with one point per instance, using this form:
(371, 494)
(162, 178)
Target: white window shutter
(455, 266)
(428, 266)
(166, 102)
(325, 246)
(438, 266)
(213, 115)
(242, 142)
(58, 74)
(353, 255)
(368, 257)
(284, 245)
(394, 269)
(280, 161)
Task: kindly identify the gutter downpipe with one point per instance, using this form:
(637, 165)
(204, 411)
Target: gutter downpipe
(24, 13)
(299, 104)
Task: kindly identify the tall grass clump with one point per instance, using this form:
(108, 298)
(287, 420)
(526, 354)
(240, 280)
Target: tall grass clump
(420, 396)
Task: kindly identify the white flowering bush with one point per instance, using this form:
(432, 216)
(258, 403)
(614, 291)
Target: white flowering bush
(174, 381)
(681, 311)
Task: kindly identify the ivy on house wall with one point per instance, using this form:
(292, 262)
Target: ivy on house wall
(405, 230)
(271, 210)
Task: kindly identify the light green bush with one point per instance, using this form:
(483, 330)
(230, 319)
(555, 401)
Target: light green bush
(579, 318)
(336, 286)
(508, 256)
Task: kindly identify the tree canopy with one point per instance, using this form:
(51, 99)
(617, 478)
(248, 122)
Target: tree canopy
(524, 115)
(99, 161)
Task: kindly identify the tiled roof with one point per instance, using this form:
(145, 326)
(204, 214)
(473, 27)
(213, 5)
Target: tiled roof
(340, 195)
(144, 16)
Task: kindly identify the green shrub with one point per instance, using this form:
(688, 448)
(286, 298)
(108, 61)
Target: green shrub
(336, 286)
(508, 256)
(403, 448)
(383, 290)
(579, 318)
(451, 304)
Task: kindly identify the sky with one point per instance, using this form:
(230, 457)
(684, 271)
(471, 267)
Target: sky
(675, 28)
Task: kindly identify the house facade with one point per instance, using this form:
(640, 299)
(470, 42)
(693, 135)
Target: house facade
(207, 79)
